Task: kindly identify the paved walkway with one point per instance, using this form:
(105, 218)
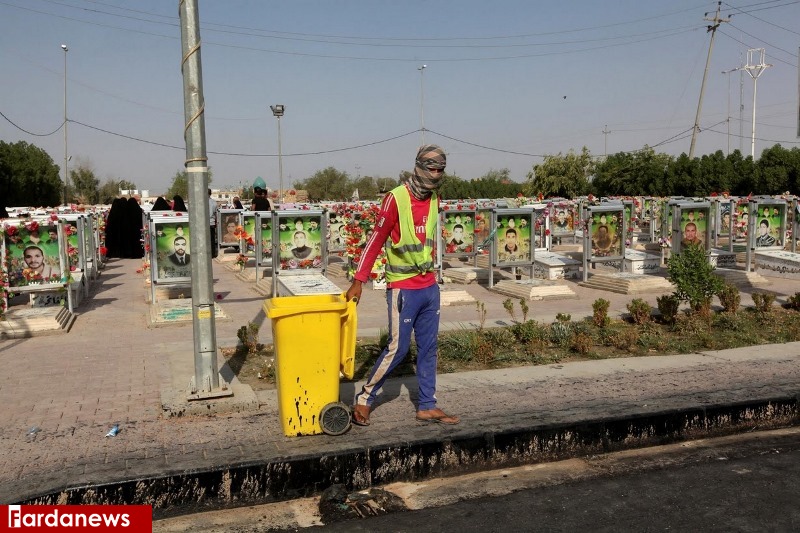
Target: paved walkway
(62, 393)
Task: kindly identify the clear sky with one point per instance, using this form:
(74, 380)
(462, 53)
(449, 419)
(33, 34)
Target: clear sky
(514, 79)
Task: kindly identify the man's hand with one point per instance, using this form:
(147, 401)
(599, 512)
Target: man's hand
(354, 292)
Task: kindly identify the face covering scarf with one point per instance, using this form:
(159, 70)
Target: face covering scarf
(423, 182)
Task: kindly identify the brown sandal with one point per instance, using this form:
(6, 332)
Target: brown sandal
(437, 416)
(361, 415)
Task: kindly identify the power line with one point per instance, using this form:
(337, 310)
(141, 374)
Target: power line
(645, 38)
(412, 39)
(31, 133)
(762, 20)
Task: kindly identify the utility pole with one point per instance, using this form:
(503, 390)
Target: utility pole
(206, 381)
(422, 100)
(713, 29)
(606, 131)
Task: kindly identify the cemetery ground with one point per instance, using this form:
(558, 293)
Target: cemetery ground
(645, 331)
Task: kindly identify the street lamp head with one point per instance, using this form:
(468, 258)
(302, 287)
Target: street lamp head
(64, 47)
(422, 67)
(277, 110)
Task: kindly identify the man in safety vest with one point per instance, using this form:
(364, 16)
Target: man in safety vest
(407, 226)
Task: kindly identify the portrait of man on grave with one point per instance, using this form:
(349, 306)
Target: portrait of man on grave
(513, 239)
(300, 242)
(173, 254)
(31, 260)
(605, 232)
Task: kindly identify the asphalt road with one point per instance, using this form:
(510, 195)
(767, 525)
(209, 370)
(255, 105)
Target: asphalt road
(740, 483)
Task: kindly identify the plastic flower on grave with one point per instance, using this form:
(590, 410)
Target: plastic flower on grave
(53, 217)
(32, 225)
(11, 231)
(547, 232)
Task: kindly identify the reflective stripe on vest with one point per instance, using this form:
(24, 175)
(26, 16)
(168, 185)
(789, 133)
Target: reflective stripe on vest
(409, 257)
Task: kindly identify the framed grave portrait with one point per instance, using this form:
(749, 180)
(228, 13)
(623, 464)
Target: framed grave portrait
(298, 237)
(562, 220)
(337, 234)
(723, 219)
(30, 257)
(264, 240)
(513, 238)
(247, 241)
(541, 227)
(691, 225)
(742, 220)
(458, 233)
(227, 222)
(770, 224)
(171, 255)
(605, 231)
(483, 228)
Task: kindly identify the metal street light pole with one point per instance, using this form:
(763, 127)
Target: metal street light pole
(728, 118)
(755, 71)
(277, 111)
(422, 100)
(66, 157)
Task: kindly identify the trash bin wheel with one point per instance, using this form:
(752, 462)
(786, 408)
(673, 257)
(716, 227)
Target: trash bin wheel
(335, 418)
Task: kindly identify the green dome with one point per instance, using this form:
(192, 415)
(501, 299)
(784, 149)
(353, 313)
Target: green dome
(259, 182)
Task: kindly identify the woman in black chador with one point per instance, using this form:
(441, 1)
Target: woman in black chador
(178, 204)
(132, 245)
(161, 205)
(115, 228)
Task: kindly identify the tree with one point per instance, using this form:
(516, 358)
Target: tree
(561, 175)
(367, 188)
(327, 184)
(630, 174)
(28, 176)
(85, 185)
(180, 184)
(110, 189)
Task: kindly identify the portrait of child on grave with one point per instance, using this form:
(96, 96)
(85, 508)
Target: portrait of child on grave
(513, 239)
(173, 256)
(458, 232)
(31, 260)
(229, 235)
(605, 233)
(300, 242)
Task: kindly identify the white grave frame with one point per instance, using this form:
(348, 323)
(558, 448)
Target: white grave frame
(163, 231)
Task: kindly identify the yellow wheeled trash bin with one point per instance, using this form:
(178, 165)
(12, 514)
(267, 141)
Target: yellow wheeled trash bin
(315, 340)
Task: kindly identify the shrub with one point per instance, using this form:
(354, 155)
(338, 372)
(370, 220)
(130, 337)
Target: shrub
(458, 345)
(499, 337)
(625, 339)
(600, 312)
(730, 298)
(763, 301)
(668, 307)
(563, 317)
(794, 302)
(248, 336)
(530, 331)
(481, 315)
(508, 305)
(560, 334)
(693, 277)
(582, 343)
(640, 311)
(523, 304)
